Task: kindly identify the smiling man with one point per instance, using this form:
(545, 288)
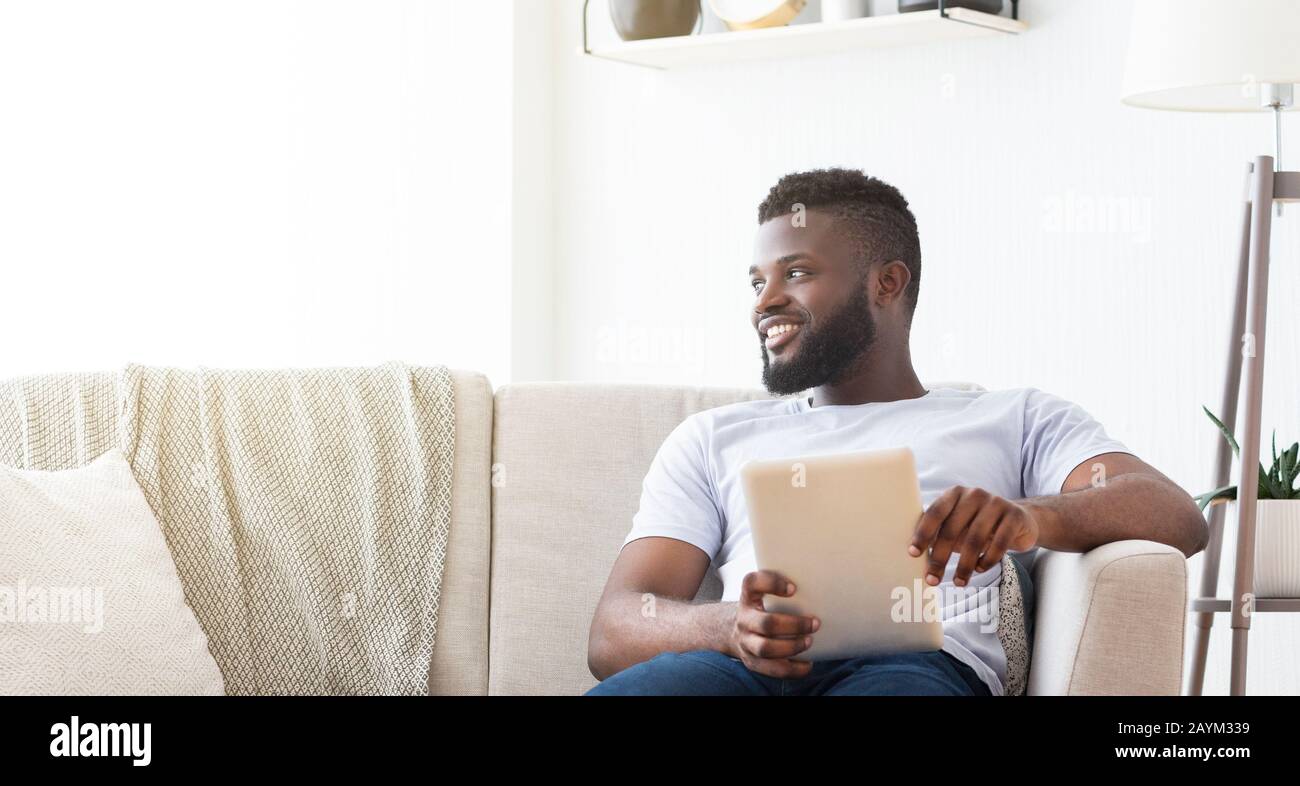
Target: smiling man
(836, 277)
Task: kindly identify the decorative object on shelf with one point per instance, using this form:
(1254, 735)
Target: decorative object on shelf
(1277, 518)
(635, 20)
(986, 6)
(840, 10)
(1211, 56)
(752, 14)
(799, 40)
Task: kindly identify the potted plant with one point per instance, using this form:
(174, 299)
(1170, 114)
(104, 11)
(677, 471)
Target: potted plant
(1277, 518)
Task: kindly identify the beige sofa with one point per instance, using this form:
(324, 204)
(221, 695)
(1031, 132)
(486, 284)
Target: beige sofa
(547, 478)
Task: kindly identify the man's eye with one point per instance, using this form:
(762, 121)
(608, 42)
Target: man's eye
(754, 285)
(804, 272)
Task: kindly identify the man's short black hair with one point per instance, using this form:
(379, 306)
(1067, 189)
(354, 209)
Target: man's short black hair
(874, 211)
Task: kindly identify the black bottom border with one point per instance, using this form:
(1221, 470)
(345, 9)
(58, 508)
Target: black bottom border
(944, 737)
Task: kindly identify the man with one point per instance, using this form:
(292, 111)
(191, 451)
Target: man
(836, 274)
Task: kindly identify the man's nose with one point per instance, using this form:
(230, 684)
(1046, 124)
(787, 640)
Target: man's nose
(773, 295)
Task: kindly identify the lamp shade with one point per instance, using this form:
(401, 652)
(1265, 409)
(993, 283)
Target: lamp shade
(1210, 55)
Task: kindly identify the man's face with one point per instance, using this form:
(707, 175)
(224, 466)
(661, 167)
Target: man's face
(811, 288)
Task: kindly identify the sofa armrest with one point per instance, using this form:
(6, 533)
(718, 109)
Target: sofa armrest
(1110, 621)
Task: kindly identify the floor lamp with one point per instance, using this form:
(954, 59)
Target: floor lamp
(1215, 56)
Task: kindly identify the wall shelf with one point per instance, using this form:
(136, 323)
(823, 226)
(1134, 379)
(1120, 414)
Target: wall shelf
(810, 39)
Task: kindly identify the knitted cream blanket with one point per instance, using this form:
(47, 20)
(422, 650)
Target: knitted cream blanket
(307, 511)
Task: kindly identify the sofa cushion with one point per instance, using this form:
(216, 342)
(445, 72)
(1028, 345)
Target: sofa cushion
(90, 600)
(1015, 623)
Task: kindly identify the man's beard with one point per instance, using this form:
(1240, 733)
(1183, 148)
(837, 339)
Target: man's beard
(824, 354)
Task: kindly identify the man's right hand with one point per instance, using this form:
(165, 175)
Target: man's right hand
(767, 641)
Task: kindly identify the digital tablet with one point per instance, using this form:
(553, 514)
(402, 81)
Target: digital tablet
(838, 526)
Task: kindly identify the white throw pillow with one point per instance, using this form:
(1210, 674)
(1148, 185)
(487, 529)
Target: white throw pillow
(90, 602)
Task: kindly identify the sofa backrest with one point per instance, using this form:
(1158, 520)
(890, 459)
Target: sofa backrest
(568, 463)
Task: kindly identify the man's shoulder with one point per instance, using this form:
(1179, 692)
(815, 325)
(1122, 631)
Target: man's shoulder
(1033, 405)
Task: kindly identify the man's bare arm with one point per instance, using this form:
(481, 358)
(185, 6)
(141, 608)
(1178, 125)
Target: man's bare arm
(1117, 496)
(646, 607)
(1130, 500)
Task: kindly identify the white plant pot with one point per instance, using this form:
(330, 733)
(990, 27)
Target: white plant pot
(1277, 547)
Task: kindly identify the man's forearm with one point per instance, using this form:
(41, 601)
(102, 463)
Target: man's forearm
(1126, 507)
(633, 628)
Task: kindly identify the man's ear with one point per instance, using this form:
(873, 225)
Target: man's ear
(892, 279)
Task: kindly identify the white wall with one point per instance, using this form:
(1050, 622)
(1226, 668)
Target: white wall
(532, 283)
(255, 183)
(1005, 148)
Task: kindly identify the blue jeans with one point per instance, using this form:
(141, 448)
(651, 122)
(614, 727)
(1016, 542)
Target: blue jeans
(711, 673)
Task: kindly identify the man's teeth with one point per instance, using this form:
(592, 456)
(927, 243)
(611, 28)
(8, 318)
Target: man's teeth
(777, 330)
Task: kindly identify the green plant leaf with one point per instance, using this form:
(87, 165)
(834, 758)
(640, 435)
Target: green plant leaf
(1275, 482)
(1291, 468)
(1267, 488)
(1275, 471)
(1286, 469)
(1236, 450)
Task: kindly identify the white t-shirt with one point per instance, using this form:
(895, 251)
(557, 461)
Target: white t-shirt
(1015, 443)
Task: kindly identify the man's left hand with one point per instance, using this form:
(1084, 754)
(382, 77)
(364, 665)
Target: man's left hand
(979, 525)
